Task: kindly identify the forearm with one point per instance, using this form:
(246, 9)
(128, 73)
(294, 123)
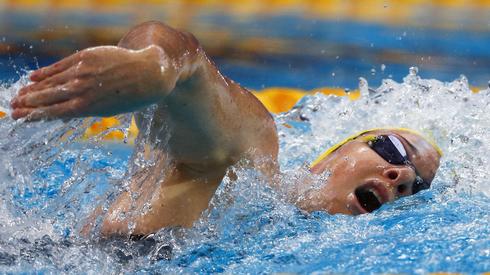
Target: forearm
(102, 81)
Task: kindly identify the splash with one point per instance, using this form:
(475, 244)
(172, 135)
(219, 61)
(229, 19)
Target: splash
(51, 180)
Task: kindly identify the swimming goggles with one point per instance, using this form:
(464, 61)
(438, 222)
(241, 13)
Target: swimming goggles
(391, 149)
(338, 145)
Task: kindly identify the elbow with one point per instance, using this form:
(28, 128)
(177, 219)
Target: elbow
(179, 53)
(174, 42)
(143, 35)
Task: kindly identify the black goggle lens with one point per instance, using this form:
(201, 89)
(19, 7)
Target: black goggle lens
(391, 149)
(419, 185)
(384, 147)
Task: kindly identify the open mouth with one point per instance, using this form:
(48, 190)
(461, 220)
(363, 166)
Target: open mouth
(368, 198)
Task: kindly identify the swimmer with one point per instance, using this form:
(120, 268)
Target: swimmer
(212, 123)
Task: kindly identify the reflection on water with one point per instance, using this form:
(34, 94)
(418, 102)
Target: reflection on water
(51, 181)
(315, 43)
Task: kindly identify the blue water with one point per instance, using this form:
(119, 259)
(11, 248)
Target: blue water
(297, 51)
(257, 233)
(50, 184)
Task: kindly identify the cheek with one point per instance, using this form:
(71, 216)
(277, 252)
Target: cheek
(344, 165)
(342, 179)
(348, 174)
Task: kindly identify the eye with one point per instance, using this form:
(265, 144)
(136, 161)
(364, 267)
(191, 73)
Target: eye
(390, 149)
(399, 145)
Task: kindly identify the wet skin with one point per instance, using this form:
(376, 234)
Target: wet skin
(211, 121)
(355, 165)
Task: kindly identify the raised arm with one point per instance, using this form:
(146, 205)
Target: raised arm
(213, 120)
(209, 121)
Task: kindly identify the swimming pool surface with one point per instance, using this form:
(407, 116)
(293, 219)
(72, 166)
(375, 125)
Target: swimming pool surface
(50, 182)
(51, 179)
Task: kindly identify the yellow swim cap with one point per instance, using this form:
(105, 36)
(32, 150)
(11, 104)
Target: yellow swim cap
(338, 145)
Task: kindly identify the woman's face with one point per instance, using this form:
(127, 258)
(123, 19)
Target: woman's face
(361, 180)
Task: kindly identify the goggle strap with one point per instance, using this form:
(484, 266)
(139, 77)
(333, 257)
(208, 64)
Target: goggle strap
(336, 146)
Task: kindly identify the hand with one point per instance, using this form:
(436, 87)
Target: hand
(100, 81)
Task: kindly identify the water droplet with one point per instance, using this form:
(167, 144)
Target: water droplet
(371, 45)
(383, 67)
(303, 117)
(373, 71)
(464, 139)
(333, 74)
(322, 51)
(363, 87)
(489, 84)
(347, 90)
(413, 71)
(337, 57)
(404, 34)
(42, 40)
(463, 80)
(31, 47)
(100, 84)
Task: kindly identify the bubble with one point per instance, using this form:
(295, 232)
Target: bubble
(383, 67)
(413, 71)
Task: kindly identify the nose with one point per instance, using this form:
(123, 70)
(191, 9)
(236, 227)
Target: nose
(400, 179)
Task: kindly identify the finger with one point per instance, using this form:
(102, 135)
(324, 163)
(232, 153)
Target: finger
(47, 97)
(58, 79)
(31, 88)
(55, 68)
(21, 112)
(66, 109)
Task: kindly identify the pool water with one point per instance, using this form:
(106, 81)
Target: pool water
(52, 180)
